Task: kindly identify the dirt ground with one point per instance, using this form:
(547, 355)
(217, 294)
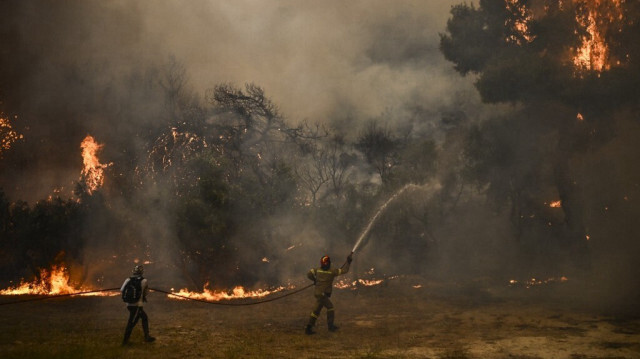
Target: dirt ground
(391, 320)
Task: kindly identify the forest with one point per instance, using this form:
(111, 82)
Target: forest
(533, 175)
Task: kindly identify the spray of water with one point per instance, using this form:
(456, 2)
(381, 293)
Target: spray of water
(379, 212)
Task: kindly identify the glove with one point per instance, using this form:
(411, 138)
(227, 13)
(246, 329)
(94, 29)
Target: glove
(350, 258)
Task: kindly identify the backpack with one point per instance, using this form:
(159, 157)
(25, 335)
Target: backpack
(132, 292)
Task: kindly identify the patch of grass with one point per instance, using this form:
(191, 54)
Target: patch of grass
(615, 345)
(454, 353)
(369, 353)
(233, 351)
(389, 322)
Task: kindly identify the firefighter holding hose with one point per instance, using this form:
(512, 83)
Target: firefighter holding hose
(134, 292)
(323, 279)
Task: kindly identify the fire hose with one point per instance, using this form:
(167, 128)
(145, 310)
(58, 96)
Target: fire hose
(234, 304)
(167, 293)
(161, 291)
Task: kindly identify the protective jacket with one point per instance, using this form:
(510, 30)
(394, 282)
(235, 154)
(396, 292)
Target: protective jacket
(324, 279)
(143, 297)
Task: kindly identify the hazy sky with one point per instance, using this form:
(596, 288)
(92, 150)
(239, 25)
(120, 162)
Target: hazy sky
(312, 57)
(64, 62)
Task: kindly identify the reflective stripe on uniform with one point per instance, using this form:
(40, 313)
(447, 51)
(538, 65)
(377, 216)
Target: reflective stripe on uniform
(314, 315)
(331, 309)
(339, 271)
(323, 271)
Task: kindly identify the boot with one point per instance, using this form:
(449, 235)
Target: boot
(330, 318)
(308, 330)
(145, 328)
(127, 334)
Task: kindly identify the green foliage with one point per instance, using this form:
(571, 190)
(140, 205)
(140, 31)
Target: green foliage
(469, 42)
(35, 237)
(512, 68)
(514, 75)
(202, 216)
(380, 149)
(523, 160)
(418, 162)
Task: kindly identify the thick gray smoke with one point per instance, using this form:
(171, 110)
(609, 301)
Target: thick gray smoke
(74, 69)
(127, 71)
(90, 67)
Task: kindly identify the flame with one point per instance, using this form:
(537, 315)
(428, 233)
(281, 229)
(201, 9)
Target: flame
(369, 283)
(93, 170)
(594, 16)
(351, 284)
(8, 136)
(345, 284)
(51, 282)
(555, 204)
(238, 292)
(579, 117)
(593, 53)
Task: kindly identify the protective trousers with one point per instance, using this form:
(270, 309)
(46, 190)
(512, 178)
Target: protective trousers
(136, 313)
(322, 301)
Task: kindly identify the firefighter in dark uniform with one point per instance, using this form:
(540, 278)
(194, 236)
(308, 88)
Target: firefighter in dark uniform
(323, 280)
(136, 312)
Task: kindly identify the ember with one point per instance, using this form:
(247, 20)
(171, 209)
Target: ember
(536, 282)
(7, 135)
(555, 204)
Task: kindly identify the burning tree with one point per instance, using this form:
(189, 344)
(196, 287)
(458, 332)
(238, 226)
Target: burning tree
(552, 60)
(93, 170)
(543, 49)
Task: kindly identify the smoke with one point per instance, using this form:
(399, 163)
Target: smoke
(93, 68)
(608, 180)
(108, 69)
(90, 67)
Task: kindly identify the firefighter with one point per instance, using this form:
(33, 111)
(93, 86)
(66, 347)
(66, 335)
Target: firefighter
(136, 312)
(323, 279)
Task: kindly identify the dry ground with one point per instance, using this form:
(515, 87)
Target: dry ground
(386, 321)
